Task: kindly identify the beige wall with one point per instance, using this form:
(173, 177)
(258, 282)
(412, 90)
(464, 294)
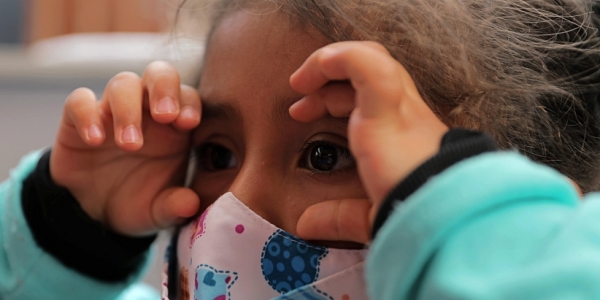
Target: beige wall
(48, 18)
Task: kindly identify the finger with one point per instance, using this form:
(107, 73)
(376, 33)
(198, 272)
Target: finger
(191, 110)
(173, 206)
(312, 74)
(81, 111)
(379, 81)
(162, 82)
(335, 98)
(170, 207)
(336, 220)
(123, 100)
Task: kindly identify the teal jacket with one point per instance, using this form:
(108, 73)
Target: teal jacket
(27, 272)
(494, 226)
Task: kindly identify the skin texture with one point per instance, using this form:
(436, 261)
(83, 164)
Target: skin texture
(131, 182)
(391, 130)
(249, 81)
(271, 92)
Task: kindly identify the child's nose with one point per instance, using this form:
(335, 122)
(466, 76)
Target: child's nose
(262, 190)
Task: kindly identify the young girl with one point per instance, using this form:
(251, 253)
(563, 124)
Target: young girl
(288, 90)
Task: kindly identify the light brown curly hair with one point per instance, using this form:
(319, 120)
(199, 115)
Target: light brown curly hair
(525, 71)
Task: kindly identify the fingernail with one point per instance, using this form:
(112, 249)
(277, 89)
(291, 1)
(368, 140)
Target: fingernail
(130, 135)
(188, 112)
(94, 132)
(165, 106)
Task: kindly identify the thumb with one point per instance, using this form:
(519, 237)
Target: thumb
(173, 205)
(336, 220)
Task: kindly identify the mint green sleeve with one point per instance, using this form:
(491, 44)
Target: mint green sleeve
(27, 272)
(496, 226)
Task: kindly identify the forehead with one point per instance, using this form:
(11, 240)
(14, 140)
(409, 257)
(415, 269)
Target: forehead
(252, 54)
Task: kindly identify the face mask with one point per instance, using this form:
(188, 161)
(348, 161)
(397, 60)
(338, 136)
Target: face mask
(230, 252)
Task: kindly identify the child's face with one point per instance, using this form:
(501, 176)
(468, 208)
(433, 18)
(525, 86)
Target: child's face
(247, 143)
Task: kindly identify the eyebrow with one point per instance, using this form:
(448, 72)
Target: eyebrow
(280, 113)
(281, 109)
(220, 111)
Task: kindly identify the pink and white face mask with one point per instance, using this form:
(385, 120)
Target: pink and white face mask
(229, 252)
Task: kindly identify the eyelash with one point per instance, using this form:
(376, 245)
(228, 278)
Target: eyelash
(304, 152)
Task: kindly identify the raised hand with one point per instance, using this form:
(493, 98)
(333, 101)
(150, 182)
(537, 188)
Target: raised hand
(124, 157)
(391, 130)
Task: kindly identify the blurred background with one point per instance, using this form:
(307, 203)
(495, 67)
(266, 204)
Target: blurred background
(50, 47)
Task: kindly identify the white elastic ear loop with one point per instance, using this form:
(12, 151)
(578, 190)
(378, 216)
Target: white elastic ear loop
(190, 171)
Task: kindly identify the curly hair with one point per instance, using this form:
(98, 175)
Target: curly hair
(524, 71)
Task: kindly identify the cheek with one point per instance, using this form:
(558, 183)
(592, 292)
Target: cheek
(210, 187)
(322, 187)
(281, 198)
(304, 190)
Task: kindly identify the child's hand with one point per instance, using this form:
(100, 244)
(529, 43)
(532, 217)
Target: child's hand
(391, 130)
(124, 157)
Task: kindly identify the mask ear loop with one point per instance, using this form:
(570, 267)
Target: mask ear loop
(190, 171)
(171, 252)
(173, 266)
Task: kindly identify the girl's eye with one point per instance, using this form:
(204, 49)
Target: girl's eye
(323, 157)
(214, 157)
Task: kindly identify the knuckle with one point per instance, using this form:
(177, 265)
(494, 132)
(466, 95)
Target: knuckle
(389, 71)
(377, 46)
(188, 89)
(122, 78)
(189, 94)
(159, 65)
(160, 69)
(79, 95)
(126, 76)
(122, 83)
